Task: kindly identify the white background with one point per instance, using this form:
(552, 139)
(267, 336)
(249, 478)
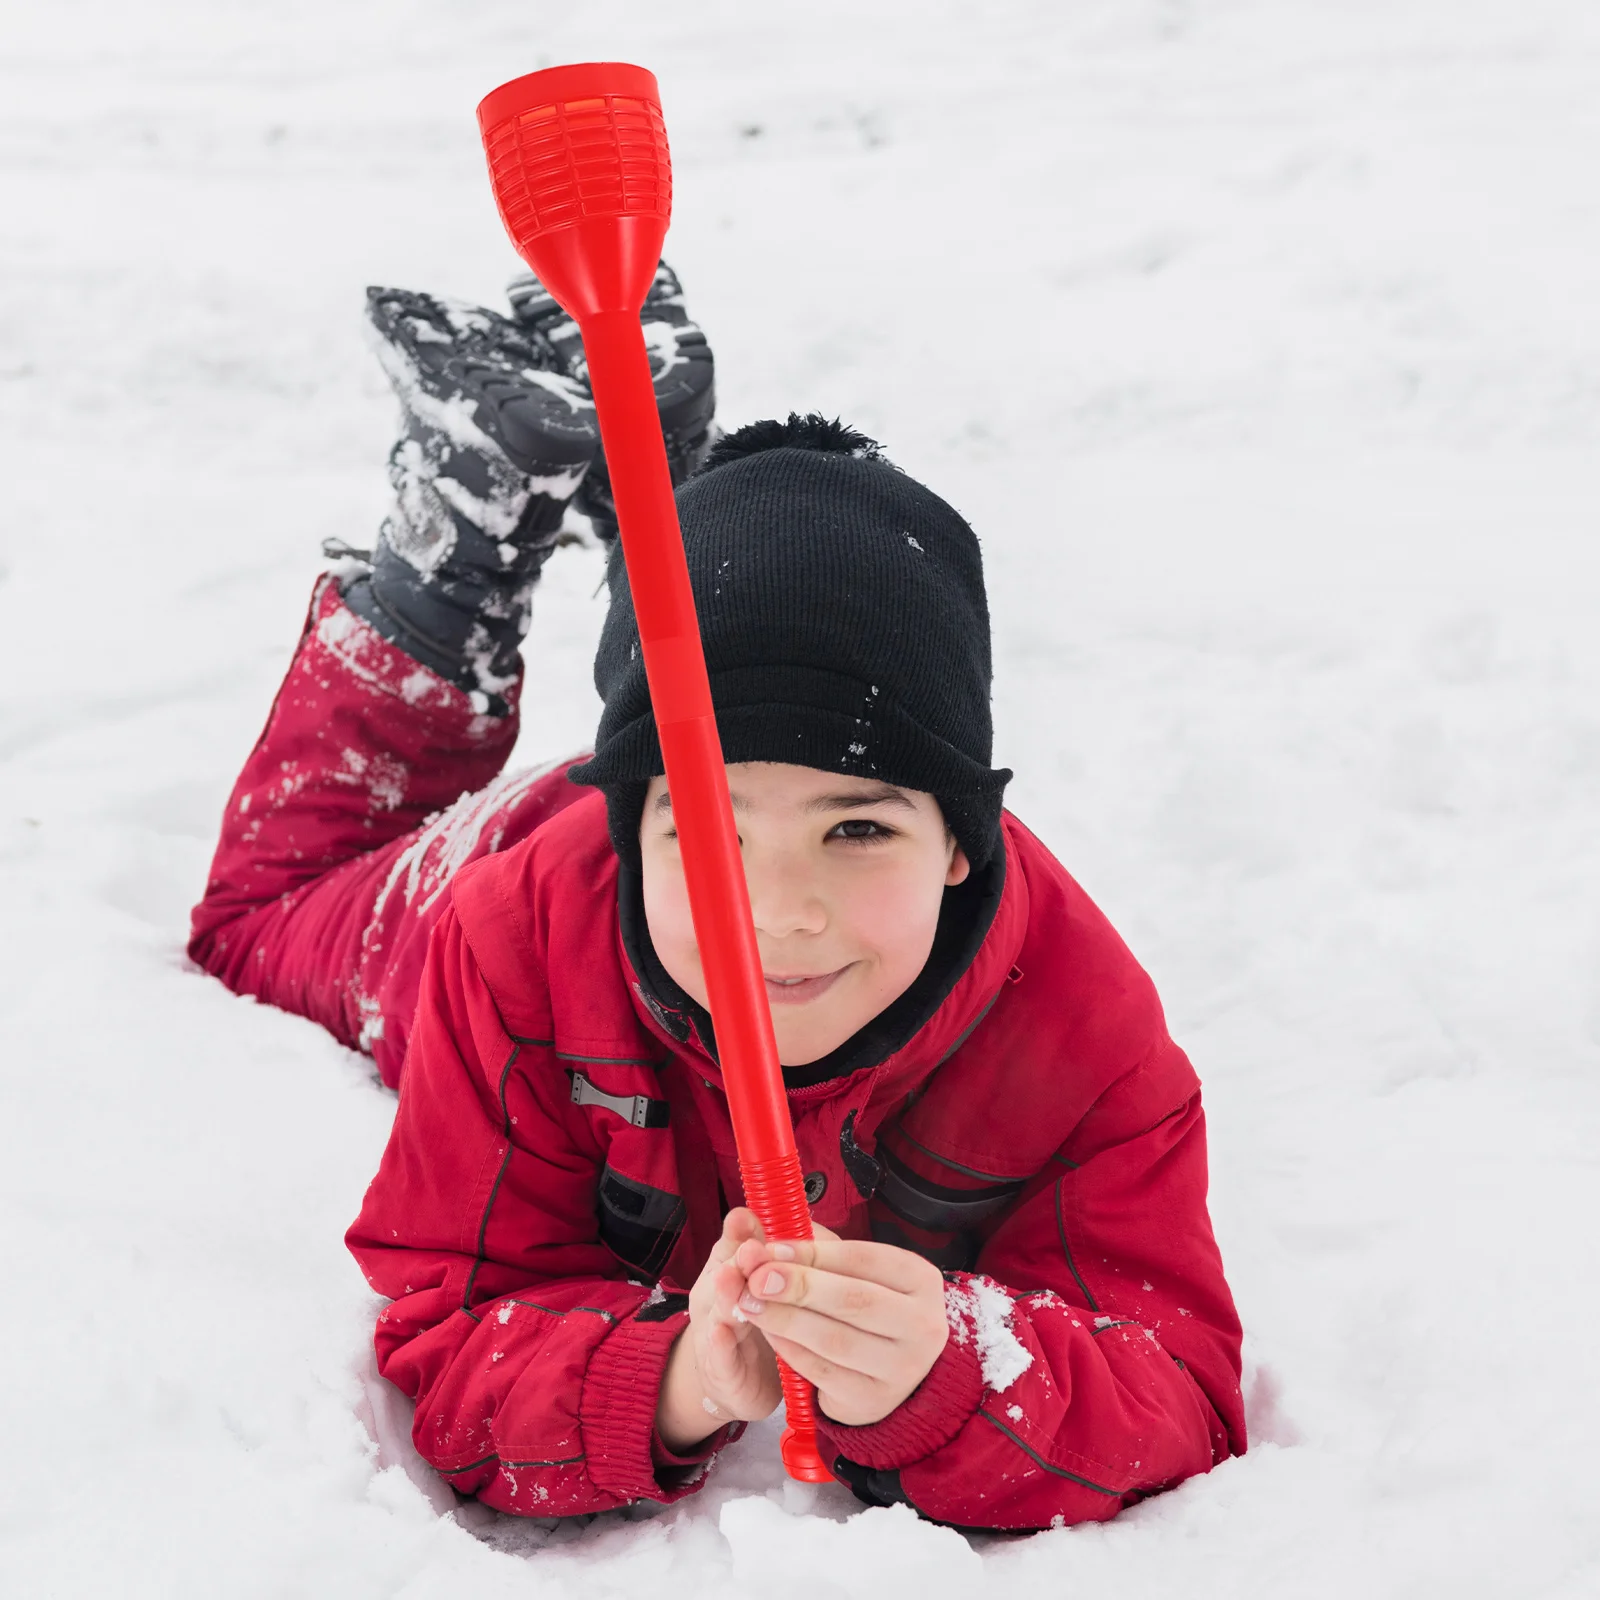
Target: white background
(1258, 339)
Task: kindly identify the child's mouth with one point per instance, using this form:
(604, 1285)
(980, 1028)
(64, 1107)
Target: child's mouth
(789, 991)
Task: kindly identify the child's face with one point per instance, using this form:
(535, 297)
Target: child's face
(846, 876)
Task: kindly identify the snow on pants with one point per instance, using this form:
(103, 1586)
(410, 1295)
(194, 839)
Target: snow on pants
(373, 782)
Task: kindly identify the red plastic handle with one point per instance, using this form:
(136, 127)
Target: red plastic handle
(579, 163)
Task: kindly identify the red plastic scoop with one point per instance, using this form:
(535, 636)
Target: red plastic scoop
(578, 159)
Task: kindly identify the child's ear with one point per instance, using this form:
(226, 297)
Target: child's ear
(959, 866)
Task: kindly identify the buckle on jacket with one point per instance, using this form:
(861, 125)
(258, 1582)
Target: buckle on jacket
(639, 1110)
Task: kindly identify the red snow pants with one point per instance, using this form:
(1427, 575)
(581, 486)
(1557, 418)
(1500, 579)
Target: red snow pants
(373, 782)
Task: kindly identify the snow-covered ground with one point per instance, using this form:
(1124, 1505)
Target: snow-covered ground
(1259, 339)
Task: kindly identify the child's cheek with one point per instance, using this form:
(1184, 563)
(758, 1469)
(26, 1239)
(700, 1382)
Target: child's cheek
(894, 915)
(666, 913)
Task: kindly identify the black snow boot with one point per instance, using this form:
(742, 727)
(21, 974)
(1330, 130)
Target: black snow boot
(495, 441)
(680, 362)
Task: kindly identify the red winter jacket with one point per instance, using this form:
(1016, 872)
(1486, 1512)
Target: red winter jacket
(563, 1143)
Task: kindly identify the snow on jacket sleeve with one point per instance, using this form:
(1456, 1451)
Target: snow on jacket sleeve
(535, 1368)
(1094, 1354)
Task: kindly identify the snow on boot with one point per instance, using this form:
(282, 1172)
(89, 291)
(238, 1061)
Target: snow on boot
(680, 362)
(495, 441)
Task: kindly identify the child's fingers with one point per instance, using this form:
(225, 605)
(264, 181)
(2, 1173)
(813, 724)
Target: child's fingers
(841, 1344)
(722, 1352)
(735, 1367)
(884, 1264)
(740, 1227)
(725, 1370)
(728, 1285)
(719, 1353)
(852, 1301)
(814, 1368)
(851, 1394)
(892, 1269)
(743, 1221)
(760, 1250)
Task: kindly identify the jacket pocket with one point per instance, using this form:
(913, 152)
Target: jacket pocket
(639, 1224)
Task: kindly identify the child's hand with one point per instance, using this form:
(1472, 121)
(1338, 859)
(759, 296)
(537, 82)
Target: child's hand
(721, 1369)
(862, 1321)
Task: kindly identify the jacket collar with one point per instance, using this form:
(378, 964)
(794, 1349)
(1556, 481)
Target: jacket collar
(981, 928)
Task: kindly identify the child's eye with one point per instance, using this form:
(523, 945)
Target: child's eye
(862, 830)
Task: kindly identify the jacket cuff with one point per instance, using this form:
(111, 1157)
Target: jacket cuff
(926, 1420)
(675, 1471)
(617, 1412)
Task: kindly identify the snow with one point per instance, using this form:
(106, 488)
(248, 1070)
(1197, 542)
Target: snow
(980, 1311)
(446, 841)
(1258, 338)
(661, 342)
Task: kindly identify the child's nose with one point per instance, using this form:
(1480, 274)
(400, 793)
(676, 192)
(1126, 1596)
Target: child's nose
(783, 899)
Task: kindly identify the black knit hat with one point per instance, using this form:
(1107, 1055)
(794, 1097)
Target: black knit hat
(845, 626)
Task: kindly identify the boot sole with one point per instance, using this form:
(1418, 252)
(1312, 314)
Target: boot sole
(451, 353)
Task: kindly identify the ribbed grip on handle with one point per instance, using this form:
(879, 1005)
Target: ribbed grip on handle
(776, 1192)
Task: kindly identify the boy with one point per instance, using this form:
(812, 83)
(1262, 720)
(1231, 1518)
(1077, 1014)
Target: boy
(1014, 1310)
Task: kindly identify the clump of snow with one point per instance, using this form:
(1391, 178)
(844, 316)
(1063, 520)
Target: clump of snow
(417, 686)
(373, 1022)
(665, 348)
(351, 641)
(981, 1311)
(884, 1552)
(383, 777)
(449, 839)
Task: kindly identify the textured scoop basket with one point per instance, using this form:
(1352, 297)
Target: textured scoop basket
(579, 163)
